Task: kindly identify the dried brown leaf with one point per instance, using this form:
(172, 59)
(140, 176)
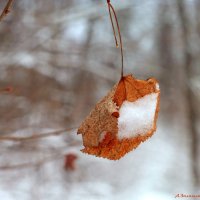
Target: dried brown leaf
(103, 119)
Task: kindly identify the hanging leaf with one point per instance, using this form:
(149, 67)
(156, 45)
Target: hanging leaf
(123, 119)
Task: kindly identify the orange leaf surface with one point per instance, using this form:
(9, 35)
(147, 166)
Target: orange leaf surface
(128, 89)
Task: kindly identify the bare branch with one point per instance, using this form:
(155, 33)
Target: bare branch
(34, 136)
(6, 10)
(32, 164)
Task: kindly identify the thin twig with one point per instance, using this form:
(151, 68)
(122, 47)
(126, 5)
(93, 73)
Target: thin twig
(32, 164)
(33, 136)
(7, 9)
(111, 8)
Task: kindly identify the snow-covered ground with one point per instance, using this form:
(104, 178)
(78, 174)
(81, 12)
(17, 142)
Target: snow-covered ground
(155, 170)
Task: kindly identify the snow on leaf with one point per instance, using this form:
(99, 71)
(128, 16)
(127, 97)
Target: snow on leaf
(127, 115)
(137, 117)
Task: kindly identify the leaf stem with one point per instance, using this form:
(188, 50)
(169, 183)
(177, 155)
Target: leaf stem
(111, 8)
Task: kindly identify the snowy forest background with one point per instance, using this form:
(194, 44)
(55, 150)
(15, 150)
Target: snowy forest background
(60, 58)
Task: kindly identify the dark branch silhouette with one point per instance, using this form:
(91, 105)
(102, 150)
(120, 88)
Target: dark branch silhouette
(6, 10)
(34, 136)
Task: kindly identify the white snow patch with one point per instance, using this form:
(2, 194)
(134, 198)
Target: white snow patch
(76, 31)
(136, 118)
(25, 59)
(102, 136)
(91, 190)
(157, 86)
(5, 195)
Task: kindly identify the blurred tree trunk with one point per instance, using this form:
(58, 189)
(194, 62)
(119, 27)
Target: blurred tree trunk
(188, 68)
(126, 16)
(84, 84)
(197, 5)
(197, 41)
(165, 55)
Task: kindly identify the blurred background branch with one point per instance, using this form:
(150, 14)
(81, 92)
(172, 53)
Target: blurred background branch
(7, 9)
